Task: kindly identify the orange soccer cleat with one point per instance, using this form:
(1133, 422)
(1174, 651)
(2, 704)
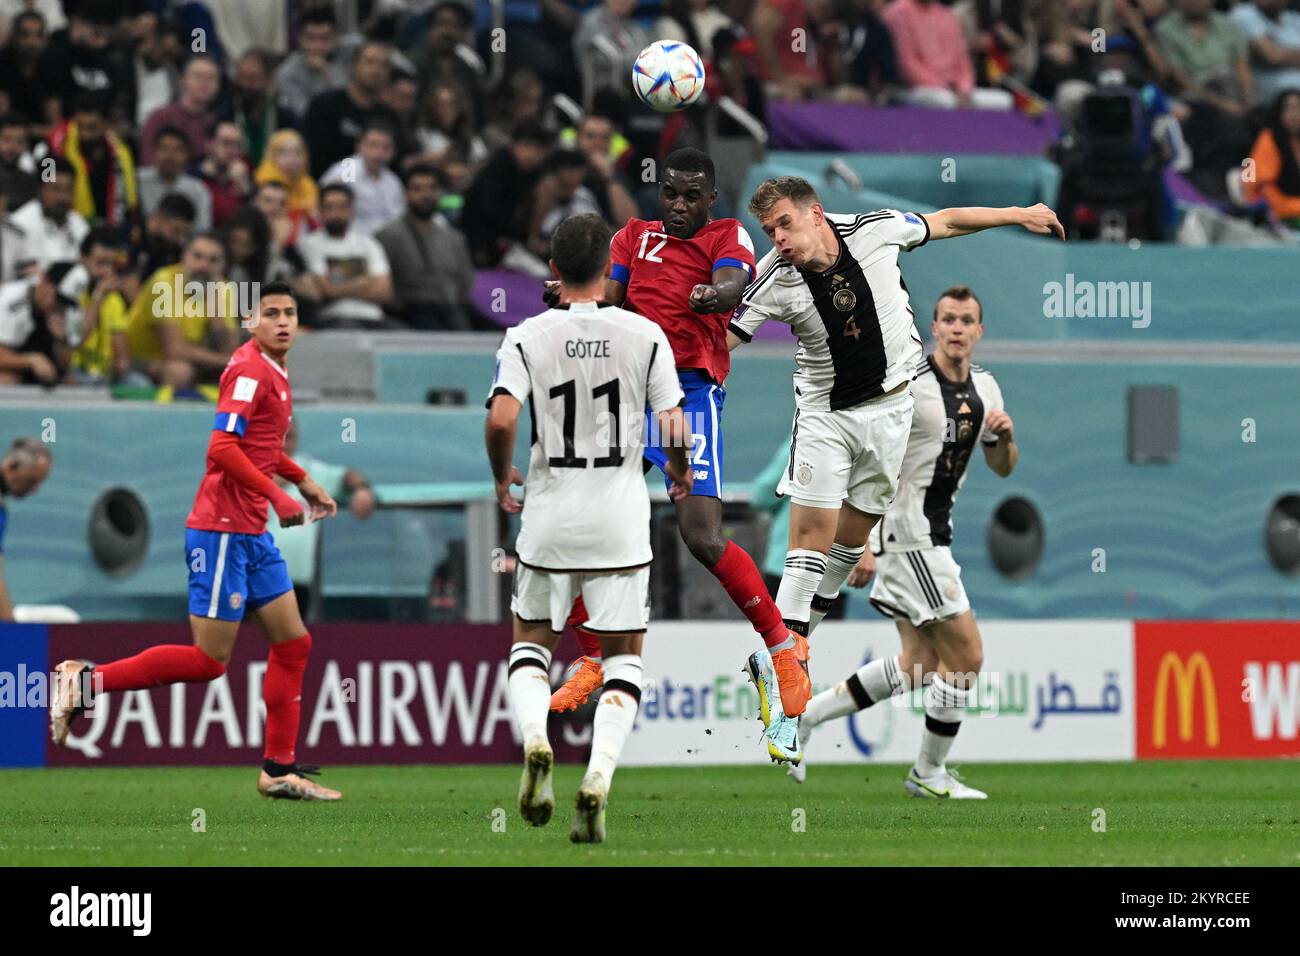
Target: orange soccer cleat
(584, 681)
(792, 678)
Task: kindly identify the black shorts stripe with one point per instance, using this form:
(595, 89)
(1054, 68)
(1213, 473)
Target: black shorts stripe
(887, 610)
(927, 587)
(794, 443)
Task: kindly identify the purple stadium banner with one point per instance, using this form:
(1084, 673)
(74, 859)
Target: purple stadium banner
(845, 127)
(373, 694)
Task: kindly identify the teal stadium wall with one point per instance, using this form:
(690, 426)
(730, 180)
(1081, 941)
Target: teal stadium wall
(1181, 540)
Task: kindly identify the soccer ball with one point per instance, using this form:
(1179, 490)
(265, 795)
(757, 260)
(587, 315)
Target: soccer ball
(668, 76)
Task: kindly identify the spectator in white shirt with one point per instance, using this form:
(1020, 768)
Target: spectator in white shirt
(377, 191)
(348, 275)
(1273, 32)
(45, 230)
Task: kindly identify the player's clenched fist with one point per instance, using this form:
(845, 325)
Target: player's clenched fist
(999, 423)
(704, 299)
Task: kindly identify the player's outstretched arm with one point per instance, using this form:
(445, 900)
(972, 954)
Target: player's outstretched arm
(967, 220)
(499, 436)
(1002, 457)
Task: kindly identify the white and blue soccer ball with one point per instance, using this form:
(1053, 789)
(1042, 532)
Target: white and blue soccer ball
(668, 76)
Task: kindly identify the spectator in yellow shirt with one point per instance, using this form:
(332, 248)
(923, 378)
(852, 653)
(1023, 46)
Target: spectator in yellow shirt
(185, 323)
(98, 338)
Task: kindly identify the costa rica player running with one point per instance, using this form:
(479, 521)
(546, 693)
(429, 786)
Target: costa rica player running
(686, 273)
(234, 566)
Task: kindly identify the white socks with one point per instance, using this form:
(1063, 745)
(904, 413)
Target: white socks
(945, 705)
(839, 563)
(615, 714)
(803, 574)
(530, 688)
(872, 682)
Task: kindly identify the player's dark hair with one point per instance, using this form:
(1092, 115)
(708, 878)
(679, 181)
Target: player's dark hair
(13, 119)
(580, 248)
(104, 237)
(173, 132)
(278, 288)
(688, 159)
(343, 188)
(962, 293)
(176, 206)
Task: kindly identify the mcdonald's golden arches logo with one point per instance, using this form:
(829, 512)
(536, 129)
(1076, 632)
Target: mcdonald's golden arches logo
(1185, 683)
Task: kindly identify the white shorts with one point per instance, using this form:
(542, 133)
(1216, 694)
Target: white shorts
(617, 601)
(854, 455)
(918, 586)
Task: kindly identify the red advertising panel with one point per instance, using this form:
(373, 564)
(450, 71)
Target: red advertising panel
(1217, 688)
(373, 693)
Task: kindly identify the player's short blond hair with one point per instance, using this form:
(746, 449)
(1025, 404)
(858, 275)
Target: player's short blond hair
(771, 191)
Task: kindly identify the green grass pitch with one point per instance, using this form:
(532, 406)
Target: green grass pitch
(1200, 813)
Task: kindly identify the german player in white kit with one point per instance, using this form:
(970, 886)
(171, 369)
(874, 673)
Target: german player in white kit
(916, 581)
(590, 374)
(836, 281)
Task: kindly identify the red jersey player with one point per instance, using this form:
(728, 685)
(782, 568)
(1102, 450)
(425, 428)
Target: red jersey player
(687, 272)
(233, 562)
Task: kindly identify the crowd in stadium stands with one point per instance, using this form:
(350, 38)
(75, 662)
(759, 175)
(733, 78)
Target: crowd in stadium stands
(374, 154)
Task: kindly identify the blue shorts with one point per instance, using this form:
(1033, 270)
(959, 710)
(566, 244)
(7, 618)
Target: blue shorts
(231, 573)
(703, 408)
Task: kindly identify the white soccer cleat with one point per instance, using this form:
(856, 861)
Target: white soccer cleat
(944, 785)
(67, 700)
(799, 771)
(536, 798)
(589, 812)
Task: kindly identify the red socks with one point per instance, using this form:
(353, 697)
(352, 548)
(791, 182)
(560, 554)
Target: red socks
(282, 693)
(165, 664)
(589, 642)
(740, 578)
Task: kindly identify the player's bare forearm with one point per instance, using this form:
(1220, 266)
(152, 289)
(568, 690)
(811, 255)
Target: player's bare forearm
(499, 434)
(733, 341)
(723, 295)
(1002, 457)
(615, 292)
(968, 220)
(675, 436)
